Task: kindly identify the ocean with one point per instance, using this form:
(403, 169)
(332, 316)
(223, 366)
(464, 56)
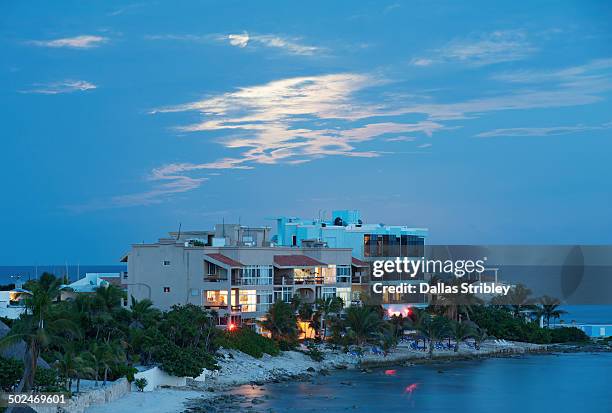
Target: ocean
(74, 272)
(559, 383)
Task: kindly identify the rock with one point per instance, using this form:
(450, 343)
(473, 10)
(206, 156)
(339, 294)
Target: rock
(310, 369)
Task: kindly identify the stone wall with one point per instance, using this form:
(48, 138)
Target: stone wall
(101, 395)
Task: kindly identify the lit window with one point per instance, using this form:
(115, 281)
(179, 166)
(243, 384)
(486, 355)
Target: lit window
(166, 289)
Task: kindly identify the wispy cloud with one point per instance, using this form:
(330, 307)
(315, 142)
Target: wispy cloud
(482, 49)
(544, 131)
(65, 86)
(245, 40)
(77, 42)
(401, 139)
(296, 120)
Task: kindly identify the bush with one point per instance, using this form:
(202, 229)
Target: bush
(568, 335)
(10, 373)
(247, 341)
(184, 362)
(501, 324)
(141, 383)
(314, 353)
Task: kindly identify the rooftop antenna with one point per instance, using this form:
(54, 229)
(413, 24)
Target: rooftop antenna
(223, 226)
(178, 236)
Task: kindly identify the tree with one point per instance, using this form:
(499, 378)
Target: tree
(480, 336)
(66, 366)
(32, 327)
(108, 298)
(433, 328)
(142, 312)
(325, 307)
(281, 322)
(549, 308)
(453, 305)
(460, 331)
(363, 323)
(517, 300)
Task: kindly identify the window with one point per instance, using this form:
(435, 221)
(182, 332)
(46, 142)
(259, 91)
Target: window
(216, 298)
(256, 275)
(329, 292)
(165, 263)
(329, 274)
(247, 300)
(293, 240)
(283, 294)
(343, 274)
(166, 289)
(345, 294)
(264, 300)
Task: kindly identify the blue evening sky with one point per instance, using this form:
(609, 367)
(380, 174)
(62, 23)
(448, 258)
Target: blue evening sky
(486, 122)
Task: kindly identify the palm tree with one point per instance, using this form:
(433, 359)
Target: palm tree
(517, 300)
(480, 335)
(433, 328)
(32, 328)
(281, 322)
(81, 369)
(549, 308)
(325, 307)
(66, 366)
(109, 297)
(363, 322)
(142, 312)
(460, 331)
(453, 305)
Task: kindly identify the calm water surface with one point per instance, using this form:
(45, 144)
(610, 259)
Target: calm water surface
(542, 383)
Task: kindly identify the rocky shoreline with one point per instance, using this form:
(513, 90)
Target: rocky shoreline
(224, 401)
(217, 393)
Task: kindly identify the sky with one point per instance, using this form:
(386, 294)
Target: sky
(486, 122)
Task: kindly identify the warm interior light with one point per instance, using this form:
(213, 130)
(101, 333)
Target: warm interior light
(231, 326)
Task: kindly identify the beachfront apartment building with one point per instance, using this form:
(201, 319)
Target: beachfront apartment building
(238, 272)
(368, 242)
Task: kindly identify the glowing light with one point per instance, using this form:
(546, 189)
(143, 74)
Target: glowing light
(231, 326)
(410, 388)
(390, 372)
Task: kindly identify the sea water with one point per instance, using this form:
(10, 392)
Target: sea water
(576, 382)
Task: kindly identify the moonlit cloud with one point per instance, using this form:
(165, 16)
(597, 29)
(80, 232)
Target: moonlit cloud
(77, 42)
(297, 120)
(544, 131)
(66, 86)
(244, 40)
(483, 49)
(240, 40)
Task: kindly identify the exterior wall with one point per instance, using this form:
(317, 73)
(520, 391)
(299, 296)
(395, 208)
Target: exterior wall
(99, 395)
(185, 274)
(157, 377)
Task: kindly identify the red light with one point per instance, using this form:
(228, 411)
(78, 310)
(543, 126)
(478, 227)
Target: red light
(231, 326)
(390, 372)
(410, 388)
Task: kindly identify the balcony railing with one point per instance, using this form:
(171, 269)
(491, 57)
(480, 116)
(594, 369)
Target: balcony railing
(309, 280)
(215, 278)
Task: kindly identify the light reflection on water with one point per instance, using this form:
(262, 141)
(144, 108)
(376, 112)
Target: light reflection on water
(543, 383)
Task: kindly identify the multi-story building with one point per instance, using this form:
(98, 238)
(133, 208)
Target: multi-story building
(368, 242)
(238, 272)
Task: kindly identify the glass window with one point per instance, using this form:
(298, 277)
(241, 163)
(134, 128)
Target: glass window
(257, 275)
(328, 292)
(343, 273)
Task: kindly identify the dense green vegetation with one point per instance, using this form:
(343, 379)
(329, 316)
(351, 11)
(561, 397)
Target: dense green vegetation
(94, 337)
(247, 341)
